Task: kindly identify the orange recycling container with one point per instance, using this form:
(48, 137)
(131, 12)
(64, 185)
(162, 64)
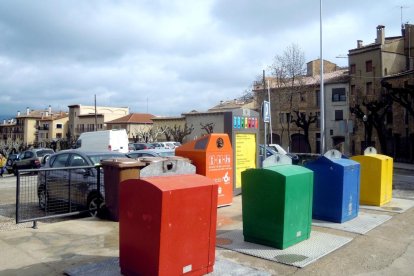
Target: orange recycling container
(212, 155)
(167, 225)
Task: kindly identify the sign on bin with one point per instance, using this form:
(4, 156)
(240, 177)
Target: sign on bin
(213, 157)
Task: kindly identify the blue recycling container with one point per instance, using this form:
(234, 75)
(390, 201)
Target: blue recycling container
(336, 188)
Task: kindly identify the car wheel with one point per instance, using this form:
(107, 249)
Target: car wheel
(96, 205)
(43, 198)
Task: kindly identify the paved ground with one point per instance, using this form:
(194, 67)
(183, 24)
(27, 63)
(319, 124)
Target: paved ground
(58, 246)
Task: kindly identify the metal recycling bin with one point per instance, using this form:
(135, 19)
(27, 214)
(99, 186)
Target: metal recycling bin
(376, 177)
(335, 187)
(167, 221)
(277, 205)
(213, 157)
(116, 171)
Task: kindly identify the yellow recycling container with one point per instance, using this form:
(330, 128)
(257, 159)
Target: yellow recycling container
(376, 177)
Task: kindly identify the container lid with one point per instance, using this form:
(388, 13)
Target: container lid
(370, 150)
(151, 159)
(333, 154)
(122, 162)
(167, 168)
(277, 159)
(185, 159)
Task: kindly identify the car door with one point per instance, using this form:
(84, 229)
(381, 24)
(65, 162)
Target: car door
(82, 179)
(26, 162)
(58, 180)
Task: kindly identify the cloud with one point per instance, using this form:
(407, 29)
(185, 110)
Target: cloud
(167, 57)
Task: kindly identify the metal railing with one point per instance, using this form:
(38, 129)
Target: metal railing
(47, 193)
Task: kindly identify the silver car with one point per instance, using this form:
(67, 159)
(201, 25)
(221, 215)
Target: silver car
(69, 178)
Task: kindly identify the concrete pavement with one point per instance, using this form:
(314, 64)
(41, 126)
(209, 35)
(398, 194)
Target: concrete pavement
(55, 247)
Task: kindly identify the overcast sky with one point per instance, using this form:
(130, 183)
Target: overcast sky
(171, 56)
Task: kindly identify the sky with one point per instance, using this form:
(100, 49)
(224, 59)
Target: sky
(168, 57)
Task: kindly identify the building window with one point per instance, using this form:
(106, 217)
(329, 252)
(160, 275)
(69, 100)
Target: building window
(369, 88)
(338, 95)
(353, 90)
(59, 135)
(353, 69)
(368, 66)
(339, 115)
(58, 125)
(331, 132)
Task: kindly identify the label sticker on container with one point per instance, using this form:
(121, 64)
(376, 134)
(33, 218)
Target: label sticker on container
(298, 234)
(187, 268)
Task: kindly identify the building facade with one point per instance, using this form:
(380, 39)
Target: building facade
(84, 118)
(369, 65)
(300, 102)
(136, 124)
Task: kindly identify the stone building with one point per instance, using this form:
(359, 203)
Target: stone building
(385, 59)
(302, 98)
(83, 118)
(134, 123)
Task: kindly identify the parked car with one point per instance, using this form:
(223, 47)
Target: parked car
(53, 188)
(10, 161)
(157, 145)
(140, 146)
(170, 145)
(151, 152)
(31, 159)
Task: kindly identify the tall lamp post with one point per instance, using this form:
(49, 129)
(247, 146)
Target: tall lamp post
(322, 97)
(365, 119)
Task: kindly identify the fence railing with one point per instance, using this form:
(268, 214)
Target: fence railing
(58, 192)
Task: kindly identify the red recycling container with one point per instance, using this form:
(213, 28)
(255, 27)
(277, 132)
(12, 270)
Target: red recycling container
(167, 225)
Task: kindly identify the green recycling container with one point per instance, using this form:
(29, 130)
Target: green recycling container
(277, 205)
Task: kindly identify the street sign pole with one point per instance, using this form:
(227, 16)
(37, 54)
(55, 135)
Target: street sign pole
(266, 120)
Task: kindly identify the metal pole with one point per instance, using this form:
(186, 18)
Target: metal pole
(322, 96)
(270, 112)
(96, 117)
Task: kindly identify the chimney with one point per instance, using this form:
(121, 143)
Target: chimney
(359, 43)
(50, 109)
(47, 114)
(27, 110)
(18, 113)
(380, 35)
(4, 121)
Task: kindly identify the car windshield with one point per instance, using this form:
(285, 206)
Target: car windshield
(13, 156)
(42, 153)
(97, 158)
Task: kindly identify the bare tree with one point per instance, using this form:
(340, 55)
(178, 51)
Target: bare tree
(167, 133)
(304, 121)
(208, 128)
(11, 146)
(375, 112)
(145, 134)
(248, 95)
(289, 70)
(403, 96)
(179, 134)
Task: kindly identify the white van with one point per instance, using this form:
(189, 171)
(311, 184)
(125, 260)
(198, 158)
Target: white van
(112, 140)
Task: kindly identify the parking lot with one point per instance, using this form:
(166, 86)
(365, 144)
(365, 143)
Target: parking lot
(60, 245)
